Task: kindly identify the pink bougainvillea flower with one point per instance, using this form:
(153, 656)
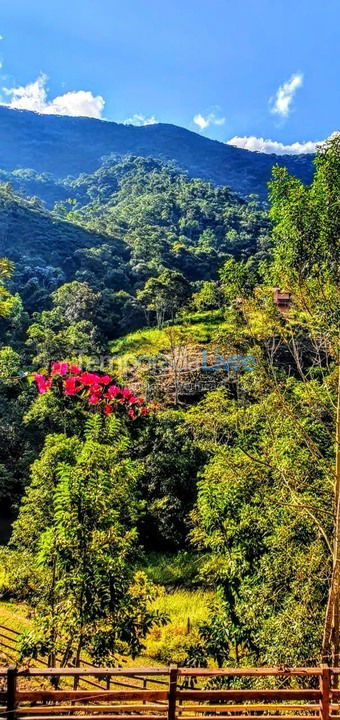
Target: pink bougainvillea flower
(133, 400)
(39, 378)
(113, 391)
(105, 379)
(75, 370)
(42, 384)
(96, 389)
(59, 368)
(127, 394)
(71, 386)
(88, 379)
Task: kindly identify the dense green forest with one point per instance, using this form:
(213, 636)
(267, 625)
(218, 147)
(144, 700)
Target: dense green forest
(169, 387)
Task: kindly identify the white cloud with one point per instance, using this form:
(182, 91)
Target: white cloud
(201, 121)
(281, 103)
(81, 102)
(139, 119)
(210, 119)
(256, 144)
(34, 97)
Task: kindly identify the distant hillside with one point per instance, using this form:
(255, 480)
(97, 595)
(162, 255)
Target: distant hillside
(123, 224)
(69, 146)
(47, 250)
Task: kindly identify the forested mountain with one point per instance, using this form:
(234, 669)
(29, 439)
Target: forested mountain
(123, 224)
(66, 146)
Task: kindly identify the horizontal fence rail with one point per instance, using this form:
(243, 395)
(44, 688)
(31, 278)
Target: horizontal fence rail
(171, 693)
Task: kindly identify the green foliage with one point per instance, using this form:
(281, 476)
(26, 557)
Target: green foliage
(208, 297)
(165, 295)
(168, 481)
(234, 484)
(67, 329)
(6, 270)
(19, 577)
(9, 364)
(262, 514)
(174, 570)
(33, 645)
(306, 237)
(136, 234)
(83, 542)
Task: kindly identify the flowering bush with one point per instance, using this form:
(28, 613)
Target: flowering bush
(98, 390)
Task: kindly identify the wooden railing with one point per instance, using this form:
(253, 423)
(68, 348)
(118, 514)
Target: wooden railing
(170, 694)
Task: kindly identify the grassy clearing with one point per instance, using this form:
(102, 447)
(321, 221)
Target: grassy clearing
(180, 598)
(15, 616)
(148, 341)
(139, 353)
(186, 610)
(179, 571)
(195, 328)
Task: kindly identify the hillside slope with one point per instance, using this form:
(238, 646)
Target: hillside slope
(70, 145)
(124, 223)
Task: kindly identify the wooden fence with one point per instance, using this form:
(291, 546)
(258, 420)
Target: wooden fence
(170, 694)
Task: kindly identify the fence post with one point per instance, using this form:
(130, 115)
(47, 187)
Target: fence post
(11, 692)
(325, 687)
(145, 686)
(172, 692)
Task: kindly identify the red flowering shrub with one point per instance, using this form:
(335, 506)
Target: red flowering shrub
(98, 390)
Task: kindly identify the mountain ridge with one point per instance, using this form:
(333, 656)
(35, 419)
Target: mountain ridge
(65, 145)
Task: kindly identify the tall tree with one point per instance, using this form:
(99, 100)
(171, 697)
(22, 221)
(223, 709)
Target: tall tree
(78, 520)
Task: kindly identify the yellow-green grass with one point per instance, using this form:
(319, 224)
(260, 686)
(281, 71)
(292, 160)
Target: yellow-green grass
(133, 356)
(184, 605)
(197, 328)
(186, 609)
(15, 616)
(174, 570)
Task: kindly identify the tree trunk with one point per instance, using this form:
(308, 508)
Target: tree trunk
(331, 629)
(77, 660)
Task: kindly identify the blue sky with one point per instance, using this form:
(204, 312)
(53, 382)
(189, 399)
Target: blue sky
(225, 68)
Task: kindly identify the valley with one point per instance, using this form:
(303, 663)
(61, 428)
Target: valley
(168, 429)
